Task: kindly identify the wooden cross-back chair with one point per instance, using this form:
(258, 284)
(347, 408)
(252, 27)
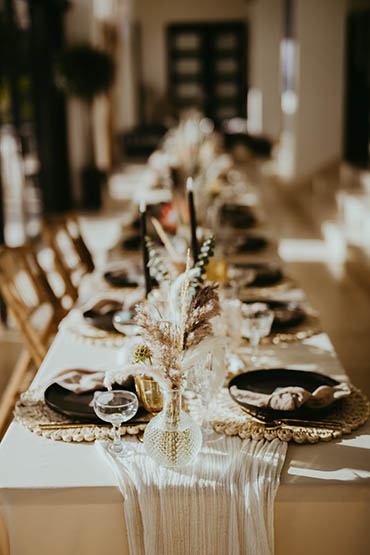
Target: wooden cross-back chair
(72, 257)
(36, 312)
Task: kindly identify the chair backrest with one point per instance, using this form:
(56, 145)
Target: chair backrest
(72, 257)
(35, 308)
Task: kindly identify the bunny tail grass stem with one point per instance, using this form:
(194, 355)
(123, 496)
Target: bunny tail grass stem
(165, 240)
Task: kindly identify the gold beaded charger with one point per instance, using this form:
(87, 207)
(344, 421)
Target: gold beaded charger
(32, 412)
(229, 419)
(308, 328)
(81, 331)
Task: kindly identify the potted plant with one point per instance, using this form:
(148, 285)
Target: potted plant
(85, 71)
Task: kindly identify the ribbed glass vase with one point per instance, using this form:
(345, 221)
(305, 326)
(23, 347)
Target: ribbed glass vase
(172, 438)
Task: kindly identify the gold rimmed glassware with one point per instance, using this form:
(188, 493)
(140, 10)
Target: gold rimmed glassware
(217, 270)
(149, 394)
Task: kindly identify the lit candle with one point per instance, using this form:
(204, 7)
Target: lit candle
(144, 248)
(193, 220)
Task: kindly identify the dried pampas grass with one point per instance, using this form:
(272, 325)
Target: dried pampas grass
(168, 340)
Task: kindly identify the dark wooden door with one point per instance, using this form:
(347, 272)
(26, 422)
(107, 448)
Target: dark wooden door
(357, 107)
(207, 68)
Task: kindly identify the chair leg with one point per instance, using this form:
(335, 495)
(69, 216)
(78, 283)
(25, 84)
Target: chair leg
(9, 396)
(3, 312)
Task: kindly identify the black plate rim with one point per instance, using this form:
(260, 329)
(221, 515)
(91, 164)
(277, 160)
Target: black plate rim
(72, 414)
(117, 282)
(299, 311)
(257, 242)
(239, 215)
(276, 274)
(91, 320)
(90, 416)
(302, 411)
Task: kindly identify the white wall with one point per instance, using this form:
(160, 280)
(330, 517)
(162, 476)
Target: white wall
(313, 133)
(266, 29)
(320, 27)
(154, 15)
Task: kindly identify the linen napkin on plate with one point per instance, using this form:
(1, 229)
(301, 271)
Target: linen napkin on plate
(293, 397)
(80, 380)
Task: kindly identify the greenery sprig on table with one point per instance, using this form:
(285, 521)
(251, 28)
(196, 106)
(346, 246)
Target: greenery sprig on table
(161, 272)
(206, 252)
(143, 354)
(157, 267)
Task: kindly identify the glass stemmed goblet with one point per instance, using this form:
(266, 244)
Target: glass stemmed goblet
(204, 382)
(116, 406)
(257, 322)
(124, 322)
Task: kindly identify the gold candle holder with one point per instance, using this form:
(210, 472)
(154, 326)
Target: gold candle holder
(149, 394)
(217, 270)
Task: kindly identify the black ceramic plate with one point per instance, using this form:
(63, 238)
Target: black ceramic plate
(132, 243)
(76, 405)
(266, 381)
(101, 316)
(266, 274)
(119, 278)
(251, 243)
(238, 215)
(287, 313)
(136, 223)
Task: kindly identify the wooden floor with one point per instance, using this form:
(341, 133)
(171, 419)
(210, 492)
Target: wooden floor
(341, 295)
(342, 300)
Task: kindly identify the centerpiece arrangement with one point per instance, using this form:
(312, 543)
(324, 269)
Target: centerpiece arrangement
(173, 346)
(176, 336)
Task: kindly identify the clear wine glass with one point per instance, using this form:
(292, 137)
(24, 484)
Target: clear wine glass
(124, 322)
(257, 322)
(231, 321)
(204, 382)
(116, 407)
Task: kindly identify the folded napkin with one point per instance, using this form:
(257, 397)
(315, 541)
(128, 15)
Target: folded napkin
(293, 397)
(80, 380)
(104, 306)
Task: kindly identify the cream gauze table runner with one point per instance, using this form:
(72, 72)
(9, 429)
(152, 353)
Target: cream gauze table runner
(222, 503)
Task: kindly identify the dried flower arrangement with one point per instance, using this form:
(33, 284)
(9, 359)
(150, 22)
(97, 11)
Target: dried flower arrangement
(182, 323)
(176, 331)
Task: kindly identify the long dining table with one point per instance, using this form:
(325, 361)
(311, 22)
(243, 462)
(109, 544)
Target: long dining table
(61, 497)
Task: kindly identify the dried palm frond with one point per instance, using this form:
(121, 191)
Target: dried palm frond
(204, 306)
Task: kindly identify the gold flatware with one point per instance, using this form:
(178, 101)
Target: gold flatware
(85, 425)
(140, 436)
(295, 422)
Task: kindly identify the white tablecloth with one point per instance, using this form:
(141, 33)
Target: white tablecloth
(61, 498)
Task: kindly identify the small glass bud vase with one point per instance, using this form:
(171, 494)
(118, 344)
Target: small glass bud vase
(172, 438)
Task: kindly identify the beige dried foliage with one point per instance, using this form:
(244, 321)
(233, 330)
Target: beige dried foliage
(204, 306)
(167, 342)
